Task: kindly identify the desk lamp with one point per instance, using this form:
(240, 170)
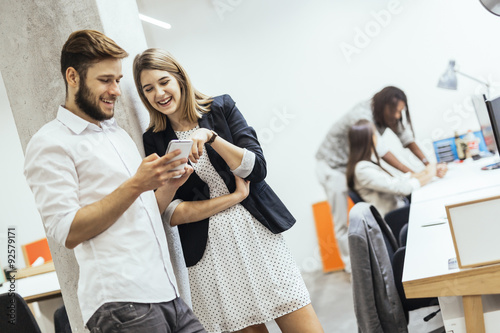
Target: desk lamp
(449, 78)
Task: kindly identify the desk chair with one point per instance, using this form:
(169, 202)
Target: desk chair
(24, 319)
(403, 235)
(355, 197)
(397, 219)
(389, 264)
(61, 321)
(412, 303)
(377, 304)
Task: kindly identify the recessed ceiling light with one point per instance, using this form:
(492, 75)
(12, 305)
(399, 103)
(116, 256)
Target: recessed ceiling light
(151, 20)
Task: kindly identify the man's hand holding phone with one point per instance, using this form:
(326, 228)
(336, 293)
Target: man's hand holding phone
(155, 171)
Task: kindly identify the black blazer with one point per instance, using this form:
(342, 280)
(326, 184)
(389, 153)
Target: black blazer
(225, 119)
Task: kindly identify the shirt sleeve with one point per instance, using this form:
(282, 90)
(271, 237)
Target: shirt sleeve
(381, 147)
(405, 134)
(371, 176)
(244, 136)
(53, 179)
(246, 166)
(167, 214)
(414, 182)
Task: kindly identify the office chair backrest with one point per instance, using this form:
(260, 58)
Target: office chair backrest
(355, 197)
(390, 241)
(409, 304)
(403, 235)
(61, 321)
(16, 316)
(398, 218)
(377, 304)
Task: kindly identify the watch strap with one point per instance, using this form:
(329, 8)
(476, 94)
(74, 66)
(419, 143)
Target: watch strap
(212, 138)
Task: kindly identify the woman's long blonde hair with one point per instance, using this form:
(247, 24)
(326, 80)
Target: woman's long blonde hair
(192, 104)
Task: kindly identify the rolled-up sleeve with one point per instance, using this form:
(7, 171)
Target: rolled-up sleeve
(52, 177)
(246, 166)
(167, 214)
(244, 136)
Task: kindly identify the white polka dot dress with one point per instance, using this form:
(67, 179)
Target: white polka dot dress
(247, 275)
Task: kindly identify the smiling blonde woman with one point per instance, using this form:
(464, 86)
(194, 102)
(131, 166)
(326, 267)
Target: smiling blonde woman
(241, 272)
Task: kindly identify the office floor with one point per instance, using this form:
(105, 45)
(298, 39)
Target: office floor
(331, 297)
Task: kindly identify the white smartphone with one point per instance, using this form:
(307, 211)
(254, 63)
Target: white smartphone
(184, 146)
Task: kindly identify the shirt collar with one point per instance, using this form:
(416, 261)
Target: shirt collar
(78, 124)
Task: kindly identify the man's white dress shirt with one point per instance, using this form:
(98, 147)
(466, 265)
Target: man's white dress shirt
(71, 163)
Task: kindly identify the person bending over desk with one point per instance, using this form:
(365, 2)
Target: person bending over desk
(387, 109)
(370, 180)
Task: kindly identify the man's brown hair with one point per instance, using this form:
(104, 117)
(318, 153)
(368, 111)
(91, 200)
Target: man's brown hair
(86, 47)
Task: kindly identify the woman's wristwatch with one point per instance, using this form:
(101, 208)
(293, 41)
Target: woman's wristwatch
(424, 160)
(212, 138)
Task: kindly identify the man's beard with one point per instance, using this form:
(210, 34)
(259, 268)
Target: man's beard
(86, 101)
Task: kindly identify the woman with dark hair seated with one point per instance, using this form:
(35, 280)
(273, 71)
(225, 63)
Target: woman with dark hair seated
(366, 176)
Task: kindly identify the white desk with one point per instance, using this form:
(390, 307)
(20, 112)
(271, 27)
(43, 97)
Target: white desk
(461, 178)
(429, 248)
(36, 287)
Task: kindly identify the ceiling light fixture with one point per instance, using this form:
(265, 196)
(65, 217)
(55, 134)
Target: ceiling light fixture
(151, 20)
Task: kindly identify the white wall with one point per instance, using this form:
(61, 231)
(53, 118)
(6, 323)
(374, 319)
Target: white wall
(282, 61)
(17, 205)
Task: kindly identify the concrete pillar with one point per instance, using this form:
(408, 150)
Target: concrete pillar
(32, 33)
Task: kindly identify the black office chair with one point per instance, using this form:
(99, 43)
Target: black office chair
(61, 321)
(390, 241)
(396, 256)
(412, 303)
(397, 219)
(371, 247)
(355, 197)
(15, 315)
(403, 235)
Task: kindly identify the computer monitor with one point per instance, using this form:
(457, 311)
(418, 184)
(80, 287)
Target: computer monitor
(493, 107)
(483, 117)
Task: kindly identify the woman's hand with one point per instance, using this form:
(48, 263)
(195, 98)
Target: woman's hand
(441, 169)
(431, 169)
(175, 183)
(424, 177)
(242, 188)
(199, 137)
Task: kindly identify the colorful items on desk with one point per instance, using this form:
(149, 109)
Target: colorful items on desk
(446, 149)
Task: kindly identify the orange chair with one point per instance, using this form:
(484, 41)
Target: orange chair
(328, 248)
